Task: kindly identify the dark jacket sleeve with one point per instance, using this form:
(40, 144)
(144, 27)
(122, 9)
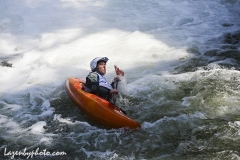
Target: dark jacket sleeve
(103, 91)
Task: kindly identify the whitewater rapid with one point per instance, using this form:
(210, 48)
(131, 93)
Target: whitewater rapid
(181, 63)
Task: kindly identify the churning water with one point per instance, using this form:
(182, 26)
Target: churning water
(182, 65)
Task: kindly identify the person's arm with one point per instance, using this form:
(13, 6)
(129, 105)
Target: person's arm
(103, 91)
(94, 88)
(114, 81)
(114, 91)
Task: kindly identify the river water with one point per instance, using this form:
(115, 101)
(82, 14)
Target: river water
(182, 78)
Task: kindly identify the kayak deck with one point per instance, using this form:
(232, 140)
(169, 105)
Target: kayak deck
(97, 108)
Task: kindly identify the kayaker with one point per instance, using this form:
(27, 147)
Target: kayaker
(96, 82)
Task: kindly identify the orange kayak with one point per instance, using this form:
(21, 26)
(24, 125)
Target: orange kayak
(97, 108)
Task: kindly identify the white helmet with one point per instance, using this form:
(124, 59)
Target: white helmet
(93, 63)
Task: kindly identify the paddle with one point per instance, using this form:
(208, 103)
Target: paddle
(119, 73)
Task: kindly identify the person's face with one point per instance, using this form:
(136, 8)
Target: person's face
(102, 67)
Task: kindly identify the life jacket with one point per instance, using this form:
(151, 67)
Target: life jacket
(103, 82)
(92, 79)
(97, 79)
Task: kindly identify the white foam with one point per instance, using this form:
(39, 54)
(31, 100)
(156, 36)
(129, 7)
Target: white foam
(62, 120)
(46, 140)
(12, 107)
(53, 50)
(37, 128)
(3, 119)
(9, 126)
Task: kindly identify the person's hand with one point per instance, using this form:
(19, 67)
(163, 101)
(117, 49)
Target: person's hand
(117, 78)
(118, 71)
(114, 91)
